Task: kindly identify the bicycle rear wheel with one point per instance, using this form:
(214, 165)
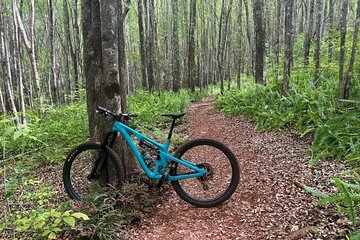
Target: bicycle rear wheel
(221, 177)
(78, 181)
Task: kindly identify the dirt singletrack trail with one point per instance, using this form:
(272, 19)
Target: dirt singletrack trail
(266, 204)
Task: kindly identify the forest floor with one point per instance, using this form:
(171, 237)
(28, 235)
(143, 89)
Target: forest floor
(266, 204)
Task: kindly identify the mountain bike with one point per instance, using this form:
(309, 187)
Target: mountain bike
(203, 172)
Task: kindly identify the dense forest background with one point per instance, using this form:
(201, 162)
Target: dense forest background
(172, 44)
(287, 64)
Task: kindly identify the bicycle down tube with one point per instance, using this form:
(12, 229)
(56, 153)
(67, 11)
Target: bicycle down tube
(160, 167)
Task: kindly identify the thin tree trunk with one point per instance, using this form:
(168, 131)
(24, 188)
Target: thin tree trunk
(142, 46)
(9, 78)
(18, 65)
(318, 40)
(53, 81)
(150, 11)
(70, 48)
(353, 53)
(175, 48)
(123, 11)
(30, 44)
(277, 37)
(77, 43)
(331, 30)
(259, 41)
(239, 62)
(249, 37)
(309, 32)
(343, 25)
(288, 44)
(191, 53)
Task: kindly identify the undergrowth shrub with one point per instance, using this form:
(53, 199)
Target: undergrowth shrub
(347, 200)
(29, 213)
(336, 126)
(338, 137)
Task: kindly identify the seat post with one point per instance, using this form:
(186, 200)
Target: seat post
(172, 128)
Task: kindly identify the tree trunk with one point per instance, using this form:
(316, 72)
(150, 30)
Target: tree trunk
(175, 48)
(101, 65)
(70, 48)
(30, 44)
(54, 85)
(122, 63)
(319, 12)
(191, 52)
(309, 32)
(17, 62)
(239, 56)
(150, 11)
(343, 25)
(77, 43)
(353, 53)
(289, 28)
(277, 37)
(142, 46)
(259, 41)
(8, 74)
(331, 30)
(249, 37)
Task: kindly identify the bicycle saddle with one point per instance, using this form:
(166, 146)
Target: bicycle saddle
(174, 115)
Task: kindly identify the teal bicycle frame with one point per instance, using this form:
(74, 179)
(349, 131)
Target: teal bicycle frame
(162, 164)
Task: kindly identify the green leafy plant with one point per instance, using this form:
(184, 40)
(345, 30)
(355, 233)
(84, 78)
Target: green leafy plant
(347, 199)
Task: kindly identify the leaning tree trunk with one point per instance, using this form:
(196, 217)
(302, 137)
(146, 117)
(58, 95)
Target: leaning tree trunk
(30, 45)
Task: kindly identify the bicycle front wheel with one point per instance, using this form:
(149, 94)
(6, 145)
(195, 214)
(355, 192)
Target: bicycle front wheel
(221, 173)
(91, 170)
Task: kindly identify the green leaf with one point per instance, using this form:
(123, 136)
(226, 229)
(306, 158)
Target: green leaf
(67, 213)
(70, 220)
(17, 134)
(52, 235)
(80, 215)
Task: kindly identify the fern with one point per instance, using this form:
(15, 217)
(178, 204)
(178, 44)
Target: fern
(315, 192)
(350, 210)
(355, 236)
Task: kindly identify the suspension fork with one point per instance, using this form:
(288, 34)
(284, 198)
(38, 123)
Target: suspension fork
(98, 167)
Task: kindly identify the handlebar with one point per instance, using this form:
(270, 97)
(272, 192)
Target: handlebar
(118, 117)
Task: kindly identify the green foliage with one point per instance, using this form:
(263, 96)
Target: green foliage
(112, 211)
(339, 136)
(29, 213)
(347, 199)
(45, 138)
(307, 109)
(355, 236)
